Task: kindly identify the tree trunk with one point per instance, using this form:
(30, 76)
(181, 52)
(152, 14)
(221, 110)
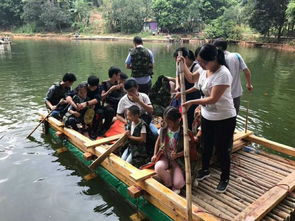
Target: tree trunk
(279, 33)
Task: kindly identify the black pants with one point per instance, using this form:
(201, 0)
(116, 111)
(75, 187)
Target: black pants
(219, 134)
(105, 115)
(72, 122)
(237, 102)
(145, 88)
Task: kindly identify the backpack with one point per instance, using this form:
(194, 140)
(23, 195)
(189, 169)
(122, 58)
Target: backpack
(141, 62)
(160, 95)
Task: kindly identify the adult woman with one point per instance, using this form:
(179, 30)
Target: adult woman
(217, 109)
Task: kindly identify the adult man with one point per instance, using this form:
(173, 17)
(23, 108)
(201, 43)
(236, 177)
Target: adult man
(57, 92)
(140, 60)
(235, 64)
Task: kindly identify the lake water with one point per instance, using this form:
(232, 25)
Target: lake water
(36, 183)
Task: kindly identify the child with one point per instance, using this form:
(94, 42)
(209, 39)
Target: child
(196, 126)
(170, 166)
(135, 153)
(74, 118)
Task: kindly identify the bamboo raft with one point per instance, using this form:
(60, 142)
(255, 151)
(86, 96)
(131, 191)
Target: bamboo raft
(261, 186)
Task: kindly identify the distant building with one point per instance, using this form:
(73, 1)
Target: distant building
(150, 25)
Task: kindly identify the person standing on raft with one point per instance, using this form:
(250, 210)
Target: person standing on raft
(217, 110)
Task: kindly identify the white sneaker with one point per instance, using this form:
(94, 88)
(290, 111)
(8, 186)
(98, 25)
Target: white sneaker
(177, 191)
(196, 183)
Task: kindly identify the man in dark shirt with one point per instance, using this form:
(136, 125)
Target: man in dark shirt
(112, 89)
(57, 92)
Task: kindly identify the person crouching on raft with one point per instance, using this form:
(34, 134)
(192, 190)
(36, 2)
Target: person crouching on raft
(170, 166)
(217, 110)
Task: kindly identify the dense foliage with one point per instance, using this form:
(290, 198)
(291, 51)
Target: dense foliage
(209, 18)
(126, 16)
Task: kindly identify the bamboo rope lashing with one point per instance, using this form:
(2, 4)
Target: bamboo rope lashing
(186, 143)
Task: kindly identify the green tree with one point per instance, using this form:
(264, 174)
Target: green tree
(176, 15)
(32, 10)
(10, 13)
(55, 17)
(268, 16)
(212, 9)
(81, 13)
(125, 16)
(290, 13)
(222, 28)
(47, 15)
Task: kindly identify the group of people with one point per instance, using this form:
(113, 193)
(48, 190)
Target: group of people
(212, 88)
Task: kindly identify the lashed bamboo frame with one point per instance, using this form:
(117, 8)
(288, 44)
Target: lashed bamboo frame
(169, 202)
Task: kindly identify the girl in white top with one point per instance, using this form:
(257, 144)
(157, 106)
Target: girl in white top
(217, 110)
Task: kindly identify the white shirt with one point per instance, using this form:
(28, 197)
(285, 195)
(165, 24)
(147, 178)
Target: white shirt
(235, 64)
(133, 125)
(224, 107)
(125, 103)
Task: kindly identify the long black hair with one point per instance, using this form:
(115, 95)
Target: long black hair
(209, 52)
(185, 53)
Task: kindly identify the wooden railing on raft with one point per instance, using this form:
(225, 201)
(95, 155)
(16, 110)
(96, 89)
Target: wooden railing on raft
(165, 199)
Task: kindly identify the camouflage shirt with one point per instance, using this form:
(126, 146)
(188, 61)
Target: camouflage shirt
(141, 62)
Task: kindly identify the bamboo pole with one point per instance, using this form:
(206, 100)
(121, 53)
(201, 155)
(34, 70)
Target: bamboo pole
(261, 169)
(267, 162)
(227, 210)
(224, 199)
(233, 192)
(212, 185)
(278, 159)
(213, 210)
(242, 189)
(247, 116)
(186, 143)
(261, 175)
(262, 166)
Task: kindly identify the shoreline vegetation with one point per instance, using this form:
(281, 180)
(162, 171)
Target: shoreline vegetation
(146, 37)
(238, 21)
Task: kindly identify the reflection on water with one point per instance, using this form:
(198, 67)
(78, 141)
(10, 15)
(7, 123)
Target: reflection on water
(5, 51)
(44, 185)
